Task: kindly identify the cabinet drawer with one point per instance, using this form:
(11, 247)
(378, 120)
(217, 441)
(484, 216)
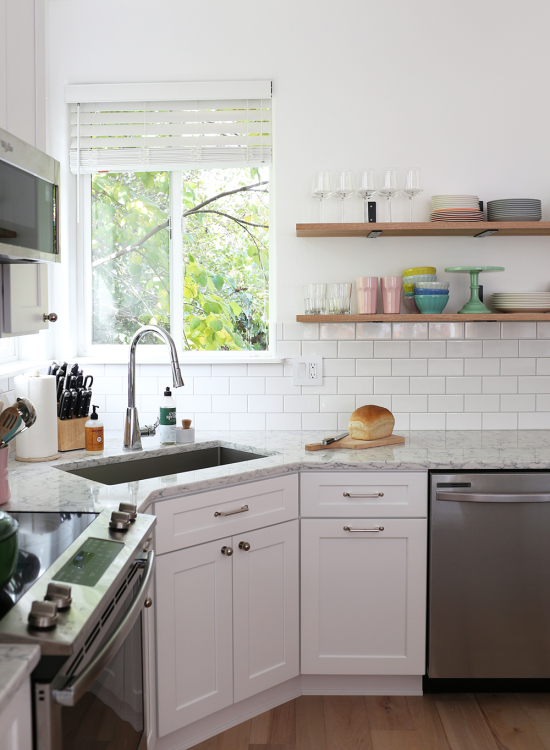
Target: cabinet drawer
(364, 495)
(194, 519)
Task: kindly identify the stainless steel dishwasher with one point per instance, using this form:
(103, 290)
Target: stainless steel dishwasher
(489, 568)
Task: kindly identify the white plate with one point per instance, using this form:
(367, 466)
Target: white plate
(532, 309)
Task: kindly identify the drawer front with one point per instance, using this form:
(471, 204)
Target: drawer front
(193, 519)
(370, 494)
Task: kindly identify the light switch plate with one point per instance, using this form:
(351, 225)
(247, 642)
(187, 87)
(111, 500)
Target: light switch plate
(307, 370)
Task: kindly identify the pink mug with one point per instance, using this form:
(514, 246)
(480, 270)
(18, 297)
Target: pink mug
(5, 493)
(391, 293)
(367, 289)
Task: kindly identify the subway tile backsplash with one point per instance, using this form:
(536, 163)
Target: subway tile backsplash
(433, 376)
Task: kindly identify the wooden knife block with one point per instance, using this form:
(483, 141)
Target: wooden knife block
(71, 435)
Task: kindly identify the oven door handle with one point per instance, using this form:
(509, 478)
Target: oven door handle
(493, 497)
(81, 683)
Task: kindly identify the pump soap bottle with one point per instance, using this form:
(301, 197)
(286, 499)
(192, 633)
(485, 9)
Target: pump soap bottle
(167, 419)
(94, 434)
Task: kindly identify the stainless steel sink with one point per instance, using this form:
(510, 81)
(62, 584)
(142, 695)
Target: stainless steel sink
(132, 469)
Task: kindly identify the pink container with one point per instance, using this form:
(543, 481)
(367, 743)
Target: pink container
(391, 293)
(5, 493)
(367, 289)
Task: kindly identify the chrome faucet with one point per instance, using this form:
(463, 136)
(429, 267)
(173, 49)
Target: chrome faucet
(132, 433)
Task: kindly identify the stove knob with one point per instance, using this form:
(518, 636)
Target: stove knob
(119, 521)
(43, 615)
(59, 593)
(129, 508)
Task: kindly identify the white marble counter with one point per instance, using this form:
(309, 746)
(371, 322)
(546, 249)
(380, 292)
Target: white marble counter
(42, 486)
(16, 664)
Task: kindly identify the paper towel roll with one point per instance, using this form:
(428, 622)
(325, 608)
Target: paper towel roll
(40, 440)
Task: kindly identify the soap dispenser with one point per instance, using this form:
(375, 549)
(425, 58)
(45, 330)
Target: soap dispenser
(167, 419)
(94, 434)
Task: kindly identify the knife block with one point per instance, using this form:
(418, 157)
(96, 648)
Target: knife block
(71, 435)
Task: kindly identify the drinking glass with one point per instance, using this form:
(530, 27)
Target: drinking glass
(315, 299)
(388, 187)
(344, 188)
(367, 288)
(322, 188)
(366, 189)
(339, 299)
(412, 187)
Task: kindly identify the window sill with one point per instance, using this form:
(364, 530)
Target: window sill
(163, 359)
(20, 366)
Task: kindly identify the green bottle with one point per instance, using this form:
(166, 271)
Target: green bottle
(167, 419)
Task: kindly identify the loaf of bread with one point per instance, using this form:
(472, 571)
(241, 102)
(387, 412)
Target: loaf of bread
(371, 423)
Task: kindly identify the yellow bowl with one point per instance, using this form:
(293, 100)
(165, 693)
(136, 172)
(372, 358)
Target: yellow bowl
(408, 288)
(419, 271)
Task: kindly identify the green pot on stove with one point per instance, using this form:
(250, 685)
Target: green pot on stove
(9, 547)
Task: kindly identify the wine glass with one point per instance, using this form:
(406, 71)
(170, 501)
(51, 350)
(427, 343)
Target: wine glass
(322, 188)
(412, 187)
(344, 188)
(366, 189)
(388, 187)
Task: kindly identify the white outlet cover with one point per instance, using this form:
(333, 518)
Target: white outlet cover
(301, 367)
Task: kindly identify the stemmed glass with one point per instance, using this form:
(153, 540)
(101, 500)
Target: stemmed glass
(366, 189)
(412, 187)
(344, 188)
(322, 189)
(388, 187)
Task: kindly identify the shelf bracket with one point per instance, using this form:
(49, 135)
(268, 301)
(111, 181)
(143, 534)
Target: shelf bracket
(373, 235)
(486, 233)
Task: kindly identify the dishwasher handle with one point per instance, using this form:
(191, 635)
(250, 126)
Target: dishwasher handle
(494, 497)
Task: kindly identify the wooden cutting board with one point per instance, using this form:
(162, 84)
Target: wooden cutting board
(350, 444)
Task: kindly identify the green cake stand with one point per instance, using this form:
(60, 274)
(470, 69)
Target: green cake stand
(474, 305)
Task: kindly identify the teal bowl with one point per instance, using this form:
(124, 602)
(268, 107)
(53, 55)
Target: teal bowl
(431, 303)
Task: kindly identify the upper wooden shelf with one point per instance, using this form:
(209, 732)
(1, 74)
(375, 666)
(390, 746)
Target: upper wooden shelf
(420, 318)
(427, 229)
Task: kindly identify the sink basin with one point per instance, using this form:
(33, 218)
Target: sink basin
(132, 469)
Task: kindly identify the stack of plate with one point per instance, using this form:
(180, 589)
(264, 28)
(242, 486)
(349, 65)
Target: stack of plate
(520, 209)
(455, 208)
(521, 301)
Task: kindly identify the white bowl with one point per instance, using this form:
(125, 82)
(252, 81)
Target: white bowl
(432, 284)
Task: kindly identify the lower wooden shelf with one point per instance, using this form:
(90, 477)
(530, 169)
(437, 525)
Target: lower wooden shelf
(420, 318)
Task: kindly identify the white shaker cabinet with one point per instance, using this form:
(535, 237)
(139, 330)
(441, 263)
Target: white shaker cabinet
(16, 720)
(24, 298)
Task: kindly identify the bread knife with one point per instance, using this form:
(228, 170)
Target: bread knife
(329, 440)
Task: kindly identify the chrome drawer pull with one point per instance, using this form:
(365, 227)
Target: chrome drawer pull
(231, 512)
(374, 494)
(378, 528)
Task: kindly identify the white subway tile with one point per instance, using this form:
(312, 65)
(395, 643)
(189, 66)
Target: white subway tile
(417, 367)
(301, 403)
(482, 366)
(500, 421)
(402, 421)
(98, 371)
(443, 367)
(427, 422)
(355, 385)
(114, 421)
(229, 403)
(409, 403)
(391, 349)
(331, 331)
(330, 385)
(108, 385)
(319, 421)
(247, 421)
(487, 330)
(356, 349)
(300, 331)
(543, 330)
(508, 384)
(100, 402)
(211, 385)
(517, 402)
(247, 385)
(267, 403)
(343, 420)
(391, 385)
(339, 367)
(543, 366)
(508, 348)
(537, 384)
(374, 330)
(212, 421)
(538, 348)
(539, 420)
(427, 385)
(232, 369)
(482, 403)
(183, 403)
(518, 366)
(463, 385)
(446, 403)
(273, 369)
(543, 402)
(446, 330)
(114, 370)
(151, 386)
(283, 421)
(377, 400)
(464, 348)
(326, 349)
(337, 403)
(373, 367)
(410, 330)
(287, 349)
(463, 421)
(428, 349)
(516, 329)
(281, 385)
(118, 403)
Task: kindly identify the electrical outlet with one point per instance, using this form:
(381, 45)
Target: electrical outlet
(307, 370)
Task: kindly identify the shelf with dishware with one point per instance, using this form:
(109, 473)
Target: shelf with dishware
(421, 317)
(426, 229)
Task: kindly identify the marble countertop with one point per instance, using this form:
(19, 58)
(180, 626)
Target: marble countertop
(16, 664)
(43, 486)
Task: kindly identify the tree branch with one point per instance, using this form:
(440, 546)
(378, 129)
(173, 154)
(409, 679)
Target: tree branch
(222, 195)
(133, 246)
(233, 218)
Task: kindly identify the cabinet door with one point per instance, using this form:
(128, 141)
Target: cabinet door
(25, 291)
(266, 621)
(194, 634)
(364, 596)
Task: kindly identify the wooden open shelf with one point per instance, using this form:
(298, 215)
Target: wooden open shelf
(420, 318)
(428, 229)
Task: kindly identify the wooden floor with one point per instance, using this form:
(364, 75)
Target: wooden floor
(485, 721)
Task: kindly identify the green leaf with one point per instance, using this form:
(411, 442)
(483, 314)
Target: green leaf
(216, 325)
(194, 322)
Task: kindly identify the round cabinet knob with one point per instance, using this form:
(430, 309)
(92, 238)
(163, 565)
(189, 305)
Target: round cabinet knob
(227, 551)
(148, 602)
(244, 545)
(52, 317)
(43, 615)
(60, 594)
(119, 521)
(129, 508)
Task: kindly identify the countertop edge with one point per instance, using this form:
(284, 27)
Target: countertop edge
(16, 664)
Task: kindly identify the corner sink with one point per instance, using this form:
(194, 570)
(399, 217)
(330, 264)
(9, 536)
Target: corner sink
(133, 469)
